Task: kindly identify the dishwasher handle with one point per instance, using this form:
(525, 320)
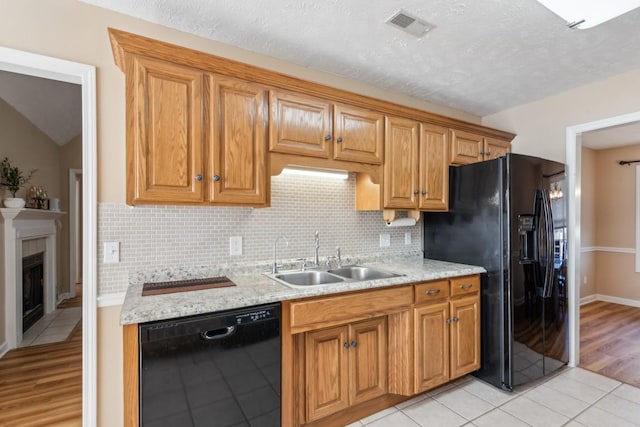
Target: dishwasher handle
(216, 334)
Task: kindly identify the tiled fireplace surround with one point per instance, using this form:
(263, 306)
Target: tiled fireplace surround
(156, 237)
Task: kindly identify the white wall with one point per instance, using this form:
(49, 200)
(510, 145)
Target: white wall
(541, 126)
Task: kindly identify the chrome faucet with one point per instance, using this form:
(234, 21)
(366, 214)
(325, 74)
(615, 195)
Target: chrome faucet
(274, 267)
(316, 259)
(338, 259)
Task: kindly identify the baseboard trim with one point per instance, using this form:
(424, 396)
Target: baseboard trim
(4, 348)
(608, 249)
(611, 299)
(588, 299)
(63, 297)
(109, 300)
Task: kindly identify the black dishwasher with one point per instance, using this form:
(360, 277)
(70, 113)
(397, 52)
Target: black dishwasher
(220, 369)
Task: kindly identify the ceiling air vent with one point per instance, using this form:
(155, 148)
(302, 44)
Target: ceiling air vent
(410, 23)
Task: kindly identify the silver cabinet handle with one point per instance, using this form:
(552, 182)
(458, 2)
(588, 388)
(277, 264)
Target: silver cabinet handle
(467, 286)
(448, 321)
(198, 177)
(456, 319)
(339, 139)
(328, 137)
(424, 192)
(354, 343)
(216, 178)
(416, 192)
(210, 336)
(433, 291)
(346, 345)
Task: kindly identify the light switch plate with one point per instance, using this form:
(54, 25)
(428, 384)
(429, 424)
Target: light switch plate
(111, 252)
(407, 238)
(235, 245)
(385, 240)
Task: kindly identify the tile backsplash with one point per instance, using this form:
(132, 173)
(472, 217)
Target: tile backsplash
(154, 237)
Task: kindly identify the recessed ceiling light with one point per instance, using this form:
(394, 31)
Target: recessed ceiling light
(410, 23)
(585, 14)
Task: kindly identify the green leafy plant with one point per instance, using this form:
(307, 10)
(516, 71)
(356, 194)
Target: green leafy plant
(12, 177)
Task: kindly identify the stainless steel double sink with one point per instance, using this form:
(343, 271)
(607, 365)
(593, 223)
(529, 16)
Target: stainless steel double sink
(350, 273)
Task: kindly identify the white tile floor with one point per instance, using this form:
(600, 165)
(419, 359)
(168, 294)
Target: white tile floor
(573, 397)
(52, 327)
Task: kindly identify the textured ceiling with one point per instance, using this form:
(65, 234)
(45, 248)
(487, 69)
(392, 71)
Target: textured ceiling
(52, 106)
(484, 56)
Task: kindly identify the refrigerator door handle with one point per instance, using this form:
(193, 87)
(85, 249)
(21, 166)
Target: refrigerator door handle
(549, 270)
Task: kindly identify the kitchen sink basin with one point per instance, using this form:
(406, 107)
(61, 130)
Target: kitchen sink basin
(346, 274)
(362, 273)
(308, 278)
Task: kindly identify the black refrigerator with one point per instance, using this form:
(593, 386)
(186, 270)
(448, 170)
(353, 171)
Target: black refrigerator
(509, 215)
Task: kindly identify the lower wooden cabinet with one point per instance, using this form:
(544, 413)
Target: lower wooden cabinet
(447, 332)
(344, 366)
(349, 355)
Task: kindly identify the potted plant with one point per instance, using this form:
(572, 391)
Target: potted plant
(14, 179)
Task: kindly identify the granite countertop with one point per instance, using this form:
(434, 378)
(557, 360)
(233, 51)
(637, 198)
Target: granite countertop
(254, 288)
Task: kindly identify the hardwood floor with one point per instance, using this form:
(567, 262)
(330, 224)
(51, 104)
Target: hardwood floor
(610, 340)
(42, 385)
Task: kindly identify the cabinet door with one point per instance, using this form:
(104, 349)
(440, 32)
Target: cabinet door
(165, 133)
(431, 346)
(494, 148)
(237, 154)
(299, 125)
(368, 360)
(358, 135)
(401, 163)
(327, 371)
(465, 335)
(466, 147)
(434, 167)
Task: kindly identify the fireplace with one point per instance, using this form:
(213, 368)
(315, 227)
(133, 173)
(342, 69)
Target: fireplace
(32, 289)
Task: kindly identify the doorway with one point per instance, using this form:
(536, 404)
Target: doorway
(26, 63)
(574, 145)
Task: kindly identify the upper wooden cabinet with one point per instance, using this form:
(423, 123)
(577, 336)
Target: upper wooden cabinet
(494, 148)
(401, 163)
(299, 125)
(165, 133)
(198, 126)
(238, 155)
(358, 134)
(434, 168)
(467, 147)
(302, 125)
(416, 168)
(194, 137)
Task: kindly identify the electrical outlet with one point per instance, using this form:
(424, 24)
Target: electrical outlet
(407, 238)
(111, 252)
(584, 280)
(385, 240)
(235, 245)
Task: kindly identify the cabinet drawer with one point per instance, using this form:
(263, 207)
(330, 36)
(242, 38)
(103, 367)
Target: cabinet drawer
(431, 291)
(465, 285)
(326, 311)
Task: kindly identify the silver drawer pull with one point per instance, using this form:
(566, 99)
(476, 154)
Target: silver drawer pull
(433, 291)
(216, 335)
(467, 286)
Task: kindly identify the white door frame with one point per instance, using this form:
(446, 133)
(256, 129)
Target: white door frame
(21, 62)
(73, 229)
(574, 177)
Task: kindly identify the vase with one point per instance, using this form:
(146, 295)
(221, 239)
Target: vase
(14, 202)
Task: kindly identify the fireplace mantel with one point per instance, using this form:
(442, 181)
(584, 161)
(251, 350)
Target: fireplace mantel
(19, 225)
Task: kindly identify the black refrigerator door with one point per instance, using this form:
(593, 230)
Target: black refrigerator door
(532, 267)
(473, 232)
